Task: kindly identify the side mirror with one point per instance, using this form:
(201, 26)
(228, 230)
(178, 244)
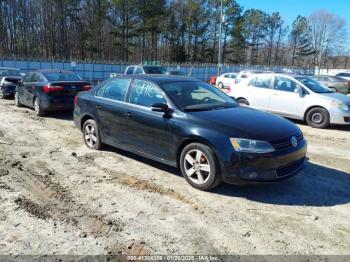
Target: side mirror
(160, 107)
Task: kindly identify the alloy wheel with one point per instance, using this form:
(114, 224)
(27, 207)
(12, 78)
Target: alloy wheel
(197, 166)
(90, 135)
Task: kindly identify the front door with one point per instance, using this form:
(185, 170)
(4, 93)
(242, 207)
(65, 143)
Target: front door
(148, 130)
(285, 99)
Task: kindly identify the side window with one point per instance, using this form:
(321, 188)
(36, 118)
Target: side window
(26, 78)
(226, 75)
(35, 78)
(285, 84)
(116, 89)
(261, 82)
(145, 94)
(138, 71)
(130, 70)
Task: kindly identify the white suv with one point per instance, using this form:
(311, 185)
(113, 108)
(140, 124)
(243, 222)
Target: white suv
(297, 97)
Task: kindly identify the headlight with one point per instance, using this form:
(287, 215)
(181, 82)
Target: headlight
(340, 105)
(251, 146)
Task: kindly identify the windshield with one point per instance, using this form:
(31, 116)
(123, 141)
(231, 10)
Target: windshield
(10, 72)
(197, 96)
(62, 76)
(314, 85)
(155, 70)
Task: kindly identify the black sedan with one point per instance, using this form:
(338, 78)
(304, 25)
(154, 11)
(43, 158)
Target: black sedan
(191, 125)
(9, 77)
(49, 90)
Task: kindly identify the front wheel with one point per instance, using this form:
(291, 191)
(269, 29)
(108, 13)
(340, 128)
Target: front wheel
(318, 118)
(199, 167)
(243, 102)
(91, 134)
(1, 93)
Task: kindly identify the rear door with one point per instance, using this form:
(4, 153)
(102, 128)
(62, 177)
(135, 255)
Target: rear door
(148, 130)
(21, 89)
(111, 110)
(29, 89)
(285, 99)
(259, 90)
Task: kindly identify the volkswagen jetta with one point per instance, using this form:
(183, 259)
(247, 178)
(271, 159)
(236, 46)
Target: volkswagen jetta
(191, 125)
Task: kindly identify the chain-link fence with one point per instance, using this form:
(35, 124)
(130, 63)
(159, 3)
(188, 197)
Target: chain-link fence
(98, 71)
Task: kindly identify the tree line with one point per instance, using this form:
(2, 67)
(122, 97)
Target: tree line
(169, 31)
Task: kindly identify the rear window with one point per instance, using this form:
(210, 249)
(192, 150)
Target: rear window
(62, 76)
(130, 70)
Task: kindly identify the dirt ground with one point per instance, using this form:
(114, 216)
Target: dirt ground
(59, 197)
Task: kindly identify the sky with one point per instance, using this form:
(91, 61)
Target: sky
(290, 9)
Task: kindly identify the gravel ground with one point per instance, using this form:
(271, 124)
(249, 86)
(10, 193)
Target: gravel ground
(59, 197)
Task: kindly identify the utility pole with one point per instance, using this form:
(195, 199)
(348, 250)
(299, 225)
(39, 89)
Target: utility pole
(220, 35)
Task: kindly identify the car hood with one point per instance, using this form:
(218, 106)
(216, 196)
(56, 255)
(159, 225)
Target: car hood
(336, 96)
(245, 122)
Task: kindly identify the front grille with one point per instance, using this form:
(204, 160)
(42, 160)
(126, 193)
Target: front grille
(290, 169)
(285, 143)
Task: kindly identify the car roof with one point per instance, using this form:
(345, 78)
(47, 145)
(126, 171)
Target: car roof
(161, 79)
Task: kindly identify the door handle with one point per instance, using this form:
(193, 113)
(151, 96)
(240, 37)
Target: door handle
(98, 107)
(127, 115)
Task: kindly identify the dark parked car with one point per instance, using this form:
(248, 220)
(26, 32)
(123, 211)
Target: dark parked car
(335, 83)
(9, 77)
(146, 70)
(49, 90)
(192, 125)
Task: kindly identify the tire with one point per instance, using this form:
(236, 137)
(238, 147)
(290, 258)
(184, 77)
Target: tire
(1, 94)
(220, 85)
(206, 177)
(91, 135)
(333, 89)
(243, 102)
(17, 102)
(317, 117)
(37, 108)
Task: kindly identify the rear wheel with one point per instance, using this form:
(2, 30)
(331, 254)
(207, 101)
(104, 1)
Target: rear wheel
(91, 134)
(37, 108)
(318, 118)
(243, 102)
(17, 102)
(220, 85)
(199, 167)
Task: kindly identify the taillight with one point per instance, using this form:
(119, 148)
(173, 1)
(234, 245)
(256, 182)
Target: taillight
(75, 100)
(86, 87)
(48, 89)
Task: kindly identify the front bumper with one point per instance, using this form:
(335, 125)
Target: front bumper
(339, 116)
(245, 168)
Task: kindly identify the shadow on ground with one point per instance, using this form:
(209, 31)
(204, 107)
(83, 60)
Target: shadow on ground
(316, 185)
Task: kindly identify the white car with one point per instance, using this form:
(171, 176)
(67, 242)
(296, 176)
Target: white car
(345, 75)
(298, 97)
(226, 80)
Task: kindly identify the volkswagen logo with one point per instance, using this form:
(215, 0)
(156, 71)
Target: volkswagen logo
(294, 141)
